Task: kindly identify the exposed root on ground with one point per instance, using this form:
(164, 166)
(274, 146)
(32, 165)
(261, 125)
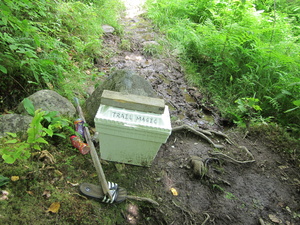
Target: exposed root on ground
(203, 134)
(200, 133)
(186, 212)
(142, 199)
(206, 219)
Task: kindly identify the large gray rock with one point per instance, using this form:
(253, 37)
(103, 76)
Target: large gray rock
(14, 123)
(49, 100)
(124, 81)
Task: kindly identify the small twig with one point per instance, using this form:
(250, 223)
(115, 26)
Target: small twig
(82, 196)
(142, 199)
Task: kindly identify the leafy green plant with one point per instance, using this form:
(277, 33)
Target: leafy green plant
(247, 110)
(14, 148)
(49, 44)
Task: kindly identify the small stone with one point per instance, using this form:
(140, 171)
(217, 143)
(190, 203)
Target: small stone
(108, 29)
(148, 43)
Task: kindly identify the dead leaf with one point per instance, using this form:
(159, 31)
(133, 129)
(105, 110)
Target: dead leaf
(50, 86)
(30, 193)
(46, 194)
(73, 184)
(46, 157)
(274, 219)
(15, 178)
(58, 173)
(174, 191)
(3, 197)
(5, 192)
(54, 207)
(39, 50)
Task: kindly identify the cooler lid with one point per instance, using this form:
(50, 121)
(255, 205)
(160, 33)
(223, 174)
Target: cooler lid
(134, 118)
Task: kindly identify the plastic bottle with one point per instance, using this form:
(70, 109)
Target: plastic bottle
(80, 145)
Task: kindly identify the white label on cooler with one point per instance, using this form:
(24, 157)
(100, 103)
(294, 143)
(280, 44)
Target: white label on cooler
(128, 117)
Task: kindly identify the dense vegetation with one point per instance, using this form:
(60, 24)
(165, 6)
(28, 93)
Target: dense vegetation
(49, 44)
(244, 53)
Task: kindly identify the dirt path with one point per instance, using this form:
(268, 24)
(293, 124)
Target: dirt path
(218, 191)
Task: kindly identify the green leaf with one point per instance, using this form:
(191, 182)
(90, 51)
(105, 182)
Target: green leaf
(290, 110)
(48, 118)
(28, 105)
(3, 69)
(32, 82)
(41, 140)
(11, 134)
(12, 141)
(8, 159)
(257, 107)
(59, 135)
(49, 131)
(37, 147)
(296, 102)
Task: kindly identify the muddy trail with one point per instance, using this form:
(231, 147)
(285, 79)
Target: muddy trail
(242, 182)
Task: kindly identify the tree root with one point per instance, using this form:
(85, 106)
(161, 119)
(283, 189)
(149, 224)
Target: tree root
(142, 199)
(234, 160)
(203, 133)
(199, 133)
(206, 219)
(185, 211)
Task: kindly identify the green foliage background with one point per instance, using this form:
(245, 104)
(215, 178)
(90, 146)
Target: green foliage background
(49, 44)
(238, 49)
